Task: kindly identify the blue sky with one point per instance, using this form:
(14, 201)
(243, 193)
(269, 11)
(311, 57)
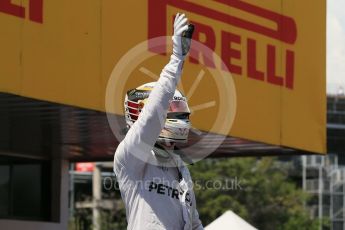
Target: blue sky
(335, 45)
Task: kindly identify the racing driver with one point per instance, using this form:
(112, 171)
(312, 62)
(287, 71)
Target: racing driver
(155, 185)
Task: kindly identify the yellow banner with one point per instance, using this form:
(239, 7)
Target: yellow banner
(256, 69)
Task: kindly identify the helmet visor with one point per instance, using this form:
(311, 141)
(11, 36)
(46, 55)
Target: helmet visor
(178, 107)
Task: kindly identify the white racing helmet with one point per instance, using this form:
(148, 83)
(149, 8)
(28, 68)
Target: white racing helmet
(177, 124)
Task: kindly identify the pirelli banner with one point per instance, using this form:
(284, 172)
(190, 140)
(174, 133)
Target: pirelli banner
(256, 69)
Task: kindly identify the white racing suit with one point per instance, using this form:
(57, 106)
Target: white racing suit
(156, 196)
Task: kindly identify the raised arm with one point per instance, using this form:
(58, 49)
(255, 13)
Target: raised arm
(143, 134)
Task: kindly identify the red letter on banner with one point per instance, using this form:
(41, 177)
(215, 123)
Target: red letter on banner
(229, 53)
(251, 61)
(9, 8)
(290, 68)
(36, 11)
(271, 67)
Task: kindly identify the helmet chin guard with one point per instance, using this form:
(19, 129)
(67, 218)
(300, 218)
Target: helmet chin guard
(177, 124)
(175, 130)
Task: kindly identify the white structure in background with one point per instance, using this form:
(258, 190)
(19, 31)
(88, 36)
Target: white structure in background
(229, 220)
(325, 180)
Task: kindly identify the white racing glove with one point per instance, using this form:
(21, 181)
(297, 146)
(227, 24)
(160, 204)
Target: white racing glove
(181, 42)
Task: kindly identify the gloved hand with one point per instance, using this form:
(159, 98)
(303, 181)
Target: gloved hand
(181, 44)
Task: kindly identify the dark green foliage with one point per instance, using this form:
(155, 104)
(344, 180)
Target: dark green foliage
(259, 191)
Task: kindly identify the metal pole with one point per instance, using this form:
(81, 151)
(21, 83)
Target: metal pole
(97, 196)
(320, 193)
(71, 195)
(304, 177)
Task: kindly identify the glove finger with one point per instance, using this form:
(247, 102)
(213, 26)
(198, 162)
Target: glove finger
(180, 25)
(177, 19)
(180, 30)
(182, 22)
